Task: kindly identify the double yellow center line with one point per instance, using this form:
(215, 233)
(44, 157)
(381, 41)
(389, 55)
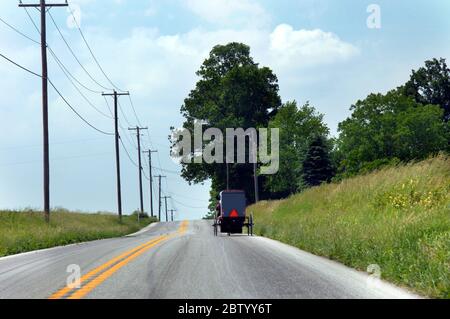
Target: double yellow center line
(95, 277)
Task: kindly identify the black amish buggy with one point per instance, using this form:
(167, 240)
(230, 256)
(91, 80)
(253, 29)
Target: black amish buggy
(230, 214)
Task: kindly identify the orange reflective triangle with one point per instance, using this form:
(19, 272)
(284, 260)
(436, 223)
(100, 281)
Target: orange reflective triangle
(234, 213)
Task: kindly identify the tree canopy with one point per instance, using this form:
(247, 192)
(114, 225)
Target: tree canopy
(390, 126)
(298, 126)
(317, 167)
(431, 85)
(233, 92)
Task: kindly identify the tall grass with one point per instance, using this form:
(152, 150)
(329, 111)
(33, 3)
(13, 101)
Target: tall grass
(22, 231)
(398, 218)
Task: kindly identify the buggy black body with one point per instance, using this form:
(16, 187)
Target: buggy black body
(232, 215)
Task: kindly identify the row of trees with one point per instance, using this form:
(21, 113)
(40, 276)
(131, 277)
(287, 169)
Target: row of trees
(407, 123)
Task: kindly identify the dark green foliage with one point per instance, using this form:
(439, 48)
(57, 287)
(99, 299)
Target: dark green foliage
(233, 91)
(391, 126)
(298, 126)
(431, 85)
(141, 215)
(317, 167)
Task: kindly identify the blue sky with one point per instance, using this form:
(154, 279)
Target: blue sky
(322, 51)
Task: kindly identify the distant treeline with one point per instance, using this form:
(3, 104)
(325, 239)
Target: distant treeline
(407, 123)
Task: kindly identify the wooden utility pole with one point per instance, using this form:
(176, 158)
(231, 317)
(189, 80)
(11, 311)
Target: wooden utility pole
(151, 178)
(171, 213)
(159, 202)
(43, 7)
(228, 176)
(117, 137)
(255, 176)
(165, 200)
(138, 135)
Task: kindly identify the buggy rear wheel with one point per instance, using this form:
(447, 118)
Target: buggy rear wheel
(215, 225)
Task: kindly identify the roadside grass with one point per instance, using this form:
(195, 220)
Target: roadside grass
(398, 218)
(22, 231)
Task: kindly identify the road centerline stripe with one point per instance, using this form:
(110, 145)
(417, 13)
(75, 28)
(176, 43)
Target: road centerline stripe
(64, 291)
(99, 274)
(83, 291)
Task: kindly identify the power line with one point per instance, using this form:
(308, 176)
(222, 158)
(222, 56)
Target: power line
(138, 137)
(128, 138)
(58, 92)
(90, 50)
(18, 31)
(57, 159)
(98, 64)
(31, 19)
(166, 170)
(53, 143)
(75, 56)
(20, 66)
(192, 207)
(64, 70)
(70, 74)
(134, 109)
(124, 116)
(107, 105)
(190, 198)
(124, 130)
(128, 154)
(78, 114)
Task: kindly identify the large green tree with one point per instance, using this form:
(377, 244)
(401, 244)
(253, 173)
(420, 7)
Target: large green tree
(391, 126)
(317, 167)
(298, 126)
(431, 85)
(232, 92)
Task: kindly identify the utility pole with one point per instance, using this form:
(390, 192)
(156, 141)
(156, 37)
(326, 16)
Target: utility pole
(171, 213)
(228, 176)
(165, 200)
(159, 188)
(151, 178)
(43, 7)
(255, 175)
(117, 137)
(138, 134)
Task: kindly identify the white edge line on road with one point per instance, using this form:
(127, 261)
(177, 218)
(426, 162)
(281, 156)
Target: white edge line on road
(143, 230)
(384, 286)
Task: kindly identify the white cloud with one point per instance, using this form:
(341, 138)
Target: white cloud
(230, 12)
(308, 47)
(284, 49)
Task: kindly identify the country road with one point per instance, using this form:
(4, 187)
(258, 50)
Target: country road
(184, 260)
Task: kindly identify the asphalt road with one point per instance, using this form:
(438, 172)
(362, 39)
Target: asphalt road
(184, 260)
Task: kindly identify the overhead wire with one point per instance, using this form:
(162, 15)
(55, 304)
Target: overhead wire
(59, 93)
(128, 154)
(64, 69)
(68, 74)
(59, 63)
(76, 58)
(90, 49)
(18, 31)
